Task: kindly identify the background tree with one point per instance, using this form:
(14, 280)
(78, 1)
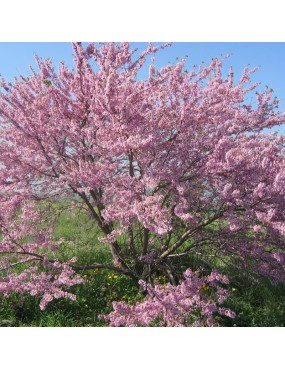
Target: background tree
(172, 165)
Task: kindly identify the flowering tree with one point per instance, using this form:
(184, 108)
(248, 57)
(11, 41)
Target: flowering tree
(171, 165)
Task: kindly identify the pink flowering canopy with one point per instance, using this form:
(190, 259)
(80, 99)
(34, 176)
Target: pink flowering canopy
(175, 164)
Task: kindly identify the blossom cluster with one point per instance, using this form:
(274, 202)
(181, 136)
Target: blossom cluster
(47, 285)
(194, 302)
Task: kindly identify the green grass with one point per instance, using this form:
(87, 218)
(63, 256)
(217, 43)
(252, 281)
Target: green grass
(257, 304)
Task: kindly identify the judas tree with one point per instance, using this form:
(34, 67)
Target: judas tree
(174, 164)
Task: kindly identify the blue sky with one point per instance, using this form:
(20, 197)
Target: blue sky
(15, 58)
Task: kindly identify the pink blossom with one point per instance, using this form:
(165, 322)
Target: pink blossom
(174, 306)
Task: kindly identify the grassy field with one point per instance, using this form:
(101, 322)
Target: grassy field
(256, 304)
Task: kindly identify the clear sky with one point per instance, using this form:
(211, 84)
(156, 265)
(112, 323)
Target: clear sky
(15, 58)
